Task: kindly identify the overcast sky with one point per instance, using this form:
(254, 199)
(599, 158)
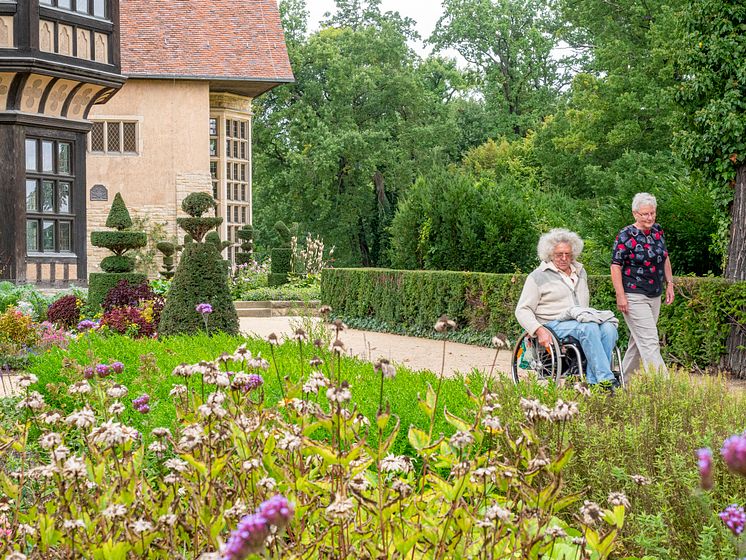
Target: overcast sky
(425, 12)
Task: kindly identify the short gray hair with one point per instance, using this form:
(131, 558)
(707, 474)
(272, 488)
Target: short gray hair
(643, 199)
(552, 238)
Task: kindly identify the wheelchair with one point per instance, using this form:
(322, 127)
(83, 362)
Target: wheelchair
(562, 361)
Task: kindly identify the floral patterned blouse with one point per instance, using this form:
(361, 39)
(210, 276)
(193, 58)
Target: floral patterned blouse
(641, 255)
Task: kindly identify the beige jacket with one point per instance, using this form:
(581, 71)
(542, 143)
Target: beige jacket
(546, 297)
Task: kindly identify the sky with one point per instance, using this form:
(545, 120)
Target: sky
(425, 12)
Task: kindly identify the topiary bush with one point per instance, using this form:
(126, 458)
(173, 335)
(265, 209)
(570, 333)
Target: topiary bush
(246, 254)
(65, 312)
(201, 277)
(118, 242)
(168, 250)
(282, 256)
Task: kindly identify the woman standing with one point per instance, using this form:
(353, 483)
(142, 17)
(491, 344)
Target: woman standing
(639, 265)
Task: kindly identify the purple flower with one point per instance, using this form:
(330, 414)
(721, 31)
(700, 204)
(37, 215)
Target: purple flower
(734, 518)
(117, 367)
(248, 537)
(204, 308)
(103, 370)
(86, 325)
(255, 381)
(734, 453)
(140, 404)
(277, 510)
(704, 462)
(88, 372)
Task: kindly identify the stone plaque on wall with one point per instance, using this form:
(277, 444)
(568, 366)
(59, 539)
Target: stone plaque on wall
(99, 193)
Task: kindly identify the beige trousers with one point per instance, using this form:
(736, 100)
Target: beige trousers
(644, 347)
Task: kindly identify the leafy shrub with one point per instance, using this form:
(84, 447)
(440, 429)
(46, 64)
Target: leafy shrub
(17, 329)
(197, 204)
(452, 221)
(102, 282)
(12, 294)
(119, 242)
(126, 294)
(129, 320)
(65, 312)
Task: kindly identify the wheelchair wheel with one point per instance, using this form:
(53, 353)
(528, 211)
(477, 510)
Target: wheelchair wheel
(616, 367)
(533, 361)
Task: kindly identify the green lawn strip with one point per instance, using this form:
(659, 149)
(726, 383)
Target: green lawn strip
(401, 391)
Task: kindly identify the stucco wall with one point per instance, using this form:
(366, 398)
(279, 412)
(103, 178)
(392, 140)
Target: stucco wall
(173, 157)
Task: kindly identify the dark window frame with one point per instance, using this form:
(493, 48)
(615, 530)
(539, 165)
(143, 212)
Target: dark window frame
(57, 178)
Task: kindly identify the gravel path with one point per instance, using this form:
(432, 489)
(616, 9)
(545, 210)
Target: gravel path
(415, 353)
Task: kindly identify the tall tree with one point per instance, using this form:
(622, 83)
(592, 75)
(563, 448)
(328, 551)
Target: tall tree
(713, 133)
(341, 144)
(510, 42)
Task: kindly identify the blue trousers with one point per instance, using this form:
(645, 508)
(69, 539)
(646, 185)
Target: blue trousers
(596, 340)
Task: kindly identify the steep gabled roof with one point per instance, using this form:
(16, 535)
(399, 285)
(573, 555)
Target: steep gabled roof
(238, 45)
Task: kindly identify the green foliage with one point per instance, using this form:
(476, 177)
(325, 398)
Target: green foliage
(450, 221)
(167, 248)
(118, 242)
(201, 277)
(512, 44)
(246, 235)
(197, 228)
(19, 296)
(711, 57)
(99, 284)
(197, 204)
(280, 265)
(119, 216)
(117, 263)
(694, 328)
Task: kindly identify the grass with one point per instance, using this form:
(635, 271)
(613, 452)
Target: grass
(149, 363)
(287, 292)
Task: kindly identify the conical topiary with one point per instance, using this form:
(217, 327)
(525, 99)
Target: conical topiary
(118, 266)
(201, 277)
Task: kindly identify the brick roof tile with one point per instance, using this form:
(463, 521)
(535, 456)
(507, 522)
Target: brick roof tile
(204, 39)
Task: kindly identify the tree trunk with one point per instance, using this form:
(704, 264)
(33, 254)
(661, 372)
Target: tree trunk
(735, 359)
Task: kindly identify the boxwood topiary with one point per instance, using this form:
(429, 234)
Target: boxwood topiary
(246, 235)
(118, 242)
(201, 277)
(117, 263)
(280, 266)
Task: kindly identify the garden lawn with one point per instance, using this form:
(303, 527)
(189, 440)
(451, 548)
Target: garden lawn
(148, 366)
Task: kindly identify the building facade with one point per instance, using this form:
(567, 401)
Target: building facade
(181, 123)
(58, 58)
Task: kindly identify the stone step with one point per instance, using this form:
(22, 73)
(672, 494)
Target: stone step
(254, 312)
(253, 304)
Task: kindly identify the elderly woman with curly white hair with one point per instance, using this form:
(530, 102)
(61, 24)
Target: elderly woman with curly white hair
(558, 285)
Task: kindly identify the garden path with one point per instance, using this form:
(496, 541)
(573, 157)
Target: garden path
(415, 353)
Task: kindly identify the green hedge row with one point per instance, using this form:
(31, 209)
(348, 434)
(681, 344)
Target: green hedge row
(694, 328)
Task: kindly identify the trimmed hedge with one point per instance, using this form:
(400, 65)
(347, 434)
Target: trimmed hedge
(694, 328)
(100, 283)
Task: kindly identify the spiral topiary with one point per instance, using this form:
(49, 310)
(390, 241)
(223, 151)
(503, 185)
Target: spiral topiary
(201, 277)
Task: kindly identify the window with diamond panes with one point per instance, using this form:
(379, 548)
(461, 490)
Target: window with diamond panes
(114, 137)
(49, 191)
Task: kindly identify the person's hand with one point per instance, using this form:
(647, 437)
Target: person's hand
(670, 293)
(621, 302)
(544, 337)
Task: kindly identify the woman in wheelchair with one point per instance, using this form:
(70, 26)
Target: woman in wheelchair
(556, 295)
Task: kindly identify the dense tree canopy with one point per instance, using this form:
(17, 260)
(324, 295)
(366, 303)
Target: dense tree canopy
(557, 114)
